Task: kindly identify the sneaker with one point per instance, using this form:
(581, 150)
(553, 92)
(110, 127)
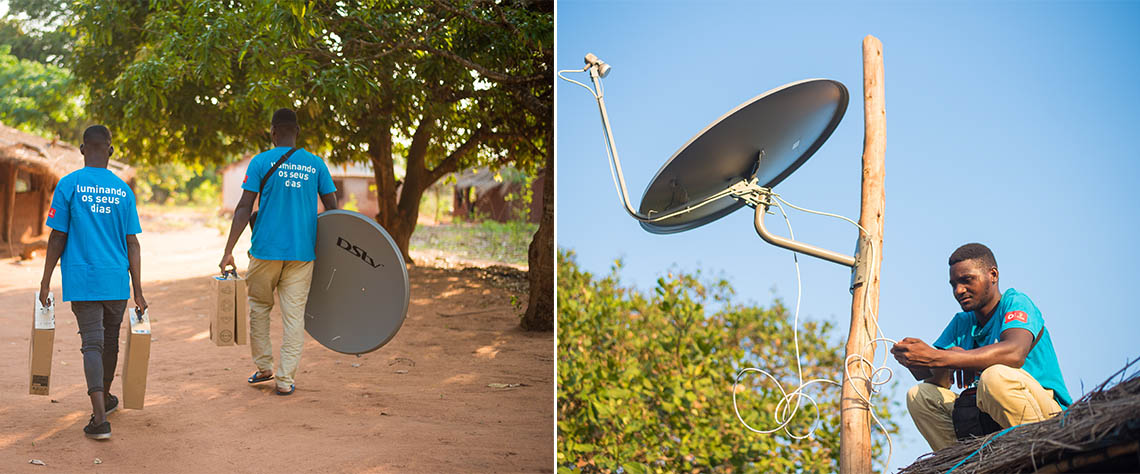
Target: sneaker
(110, 405)
(102, 431)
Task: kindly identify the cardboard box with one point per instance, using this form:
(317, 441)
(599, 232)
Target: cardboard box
(241, 312)
(40, 347)
(137, 361)
(229, 323)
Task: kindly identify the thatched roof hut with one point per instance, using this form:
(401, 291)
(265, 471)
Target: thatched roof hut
(1098, 433)
(30, 167)
(477, 191)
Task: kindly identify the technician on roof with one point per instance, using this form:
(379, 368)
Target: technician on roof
(1000, 335)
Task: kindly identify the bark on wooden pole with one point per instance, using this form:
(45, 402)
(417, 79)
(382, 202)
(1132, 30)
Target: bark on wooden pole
(855, 432)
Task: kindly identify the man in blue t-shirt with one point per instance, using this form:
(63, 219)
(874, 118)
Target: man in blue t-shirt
(283, 244)
(94, 223)
(1000, 335)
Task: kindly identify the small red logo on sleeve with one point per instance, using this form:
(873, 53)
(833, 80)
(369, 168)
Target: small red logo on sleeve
(51, 212)
(246, 178)
(1016, 316)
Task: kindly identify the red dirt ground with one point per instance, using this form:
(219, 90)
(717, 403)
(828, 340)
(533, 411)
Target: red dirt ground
(349, 414)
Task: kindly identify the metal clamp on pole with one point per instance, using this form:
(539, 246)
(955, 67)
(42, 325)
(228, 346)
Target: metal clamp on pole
(806, 249)
(862, 263)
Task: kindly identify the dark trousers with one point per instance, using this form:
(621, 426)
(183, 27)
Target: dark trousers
(99, 323)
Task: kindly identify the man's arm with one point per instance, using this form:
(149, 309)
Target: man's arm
(237, 226)
(329, 201)
(1011, 350)
(56, 243)
(134, 257)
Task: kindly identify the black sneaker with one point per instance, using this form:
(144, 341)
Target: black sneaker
(110, 405)
(102, 431)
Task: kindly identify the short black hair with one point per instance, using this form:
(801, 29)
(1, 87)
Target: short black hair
(95, 132)
(284, 118)
(974, 251)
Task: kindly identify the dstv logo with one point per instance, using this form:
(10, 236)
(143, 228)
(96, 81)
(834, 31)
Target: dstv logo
(357, 251)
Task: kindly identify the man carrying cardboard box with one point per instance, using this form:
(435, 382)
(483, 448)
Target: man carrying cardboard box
(284, 241)
(94, 223)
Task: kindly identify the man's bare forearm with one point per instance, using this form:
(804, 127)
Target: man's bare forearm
(237, 226)
(1004, 352)
(134, 257)
(329, 201)
(57, 241)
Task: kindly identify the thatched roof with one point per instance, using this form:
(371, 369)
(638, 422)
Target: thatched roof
(482, 179)
(1098, 433)
(51, 157)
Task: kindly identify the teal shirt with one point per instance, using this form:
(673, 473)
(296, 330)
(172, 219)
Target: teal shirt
(286, 227)
(1014, 310)
(96, 210)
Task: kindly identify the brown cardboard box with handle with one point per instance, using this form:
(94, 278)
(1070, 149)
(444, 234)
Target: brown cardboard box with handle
(137, 361)
(40, 347)
(229, 323)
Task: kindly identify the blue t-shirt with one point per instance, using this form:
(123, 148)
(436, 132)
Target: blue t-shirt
(97, 211)
(1014, 310)
(286, 227)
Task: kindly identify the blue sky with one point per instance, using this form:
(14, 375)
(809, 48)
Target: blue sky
(1011, 124)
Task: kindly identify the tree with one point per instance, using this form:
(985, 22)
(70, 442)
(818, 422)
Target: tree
(39, 98)
(383, 82)
(417, 88)
(539, 314)
(645, 382)
(34, 30)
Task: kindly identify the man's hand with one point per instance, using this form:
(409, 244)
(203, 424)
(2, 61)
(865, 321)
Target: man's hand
(140, 302)
(227, 260)
(962, 377)
(912, 352)
(45, 287)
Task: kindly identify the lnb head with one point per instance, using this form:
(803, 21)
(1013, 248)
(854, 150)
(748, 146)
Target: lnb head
(597, 64)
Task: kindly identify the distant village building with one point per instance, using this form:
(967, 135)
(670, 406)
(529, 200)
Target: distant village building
(352, 182)
(30, 167)
(476, 194)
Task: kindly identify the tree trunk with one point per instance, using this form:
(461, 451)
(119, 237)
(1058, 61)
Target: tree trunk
(540, 257)
(855, 419)
(390, 216)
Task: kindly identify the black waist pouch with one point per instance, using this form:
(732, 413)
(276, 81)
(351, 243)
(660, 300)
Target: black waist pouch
(969, 420)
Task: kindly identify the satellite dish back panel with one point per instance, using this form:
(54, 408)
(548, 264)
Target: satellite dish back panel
(359, 295)
(789, 123)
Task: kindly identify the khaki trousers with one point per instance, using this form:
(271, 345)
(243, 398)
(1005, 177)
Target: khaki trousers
(1010, 396)
(291, 279)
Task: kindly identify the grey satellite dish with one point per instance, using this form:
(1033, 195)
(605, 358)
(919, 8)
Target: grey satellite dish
(735, 161)
(359, 295)
(788, 124)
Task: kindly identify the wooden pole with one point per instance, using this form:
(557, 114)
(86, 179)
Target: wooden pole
(855, 432)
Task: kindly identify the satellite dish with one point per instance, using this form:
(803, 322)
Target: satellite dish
(735, 161)
(781, 128)
(359, 295)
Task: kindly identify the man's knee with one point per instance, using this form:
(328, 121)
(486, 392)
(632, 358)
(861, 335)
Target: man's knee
(996, 378)
(91, 345)
(922, 396)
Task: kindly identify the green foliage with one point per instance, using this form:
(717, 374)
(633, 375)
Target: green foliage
(443, 85)
(39, 98)
(645, 382)
(488, 240)
(197, 80)
(438, 202)
(178, 183)
(35, 30)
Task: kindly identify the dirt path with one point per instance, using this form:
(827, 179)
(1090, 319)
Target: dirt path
(349, 414)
